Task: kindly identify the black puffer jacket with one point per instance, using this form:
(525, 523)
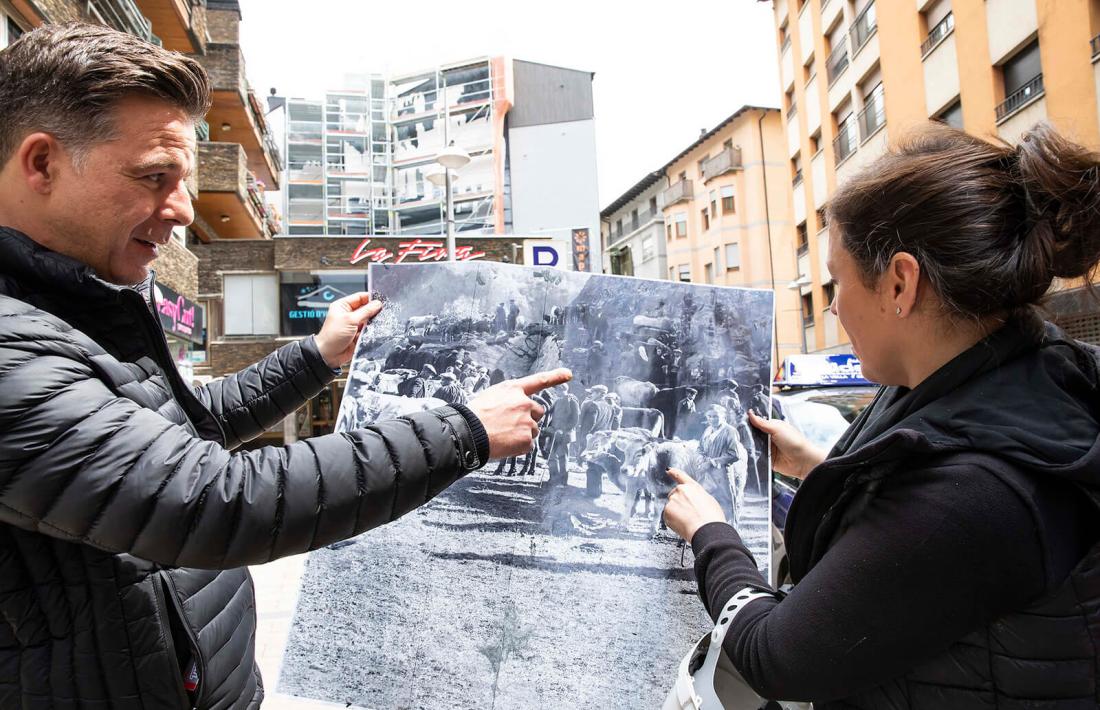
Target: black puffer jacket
(126, 521)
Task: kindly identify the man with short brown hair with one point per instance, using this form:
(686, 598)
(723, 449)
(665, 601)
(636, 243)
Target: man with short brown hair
(126, 520)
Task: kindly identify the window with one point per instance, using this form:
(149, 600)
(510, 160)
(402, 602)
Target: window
(649, 249)
(671, 273)
(681, 221)
(803, 241)
(708, 273)
(717, 258)
(829, 291)
(251, 304)
(727, 199)
(847, 139)
(822, 222)
(668, 231)
(733, 256)
(653, 205)
(9, 31)
(633, 220)
(815, 143)
(809, 71)
(952, 115)
(784, 38)
(939, 21)
(682, 176)
(796, 169)
(714, 202)
(1023, 80)
(618, 228)
(706, 219)
(873, 115)
(684, 273)
(699, 165)
(807, 310)
(792, 105)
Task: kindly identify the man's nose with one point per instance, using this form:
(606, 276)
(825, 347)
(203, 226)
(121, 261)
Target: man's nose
(177, 207)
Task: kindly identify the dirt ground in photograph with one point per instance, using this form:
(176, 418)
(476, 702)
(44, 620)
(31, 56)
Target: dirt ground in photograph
(501, 593)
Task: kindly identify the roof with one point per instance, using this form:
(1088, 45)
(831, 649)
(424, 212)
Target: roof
(640, 187)
(652, 177)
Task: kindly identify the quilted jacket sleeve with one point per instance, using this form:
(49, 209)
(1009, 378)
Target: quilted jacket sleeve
(258, 397)
(79, 463)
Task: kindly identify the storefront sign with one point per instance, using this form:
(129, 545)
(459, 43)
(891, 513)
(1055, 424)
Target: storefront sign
(304, 297)
(414, 249)
(179, 316)
(580, 250)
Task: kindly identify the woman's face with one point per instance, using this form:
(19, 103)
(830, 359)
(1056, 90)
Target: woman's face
(863, 313)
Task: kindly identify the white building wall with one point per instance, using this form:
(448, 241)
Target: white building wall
(554, 186)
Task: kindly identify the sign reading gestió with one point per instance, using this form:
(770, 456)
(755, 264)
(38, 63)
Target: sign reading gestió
(179, 316)
(304, 297)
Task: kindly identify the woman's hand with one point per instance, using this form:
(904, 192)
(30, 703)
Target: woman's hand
(690, 507)
(792, 453)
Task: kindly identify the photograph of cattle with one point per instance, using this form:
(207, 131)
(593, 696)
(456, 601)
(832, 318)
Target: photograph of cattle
(548, 580)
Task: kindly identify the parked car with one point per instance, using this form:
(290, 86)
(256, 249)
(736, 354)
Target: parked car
(820, 395)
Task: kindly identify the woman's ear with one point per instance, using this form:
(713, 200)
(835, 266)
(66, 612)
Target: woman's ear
(904, 277)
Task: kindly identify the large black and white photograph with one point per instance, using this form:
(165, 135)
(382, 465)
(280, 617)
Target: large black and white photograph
(545, 580)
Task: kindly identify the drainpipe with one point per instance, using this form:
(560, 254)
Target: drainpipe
(768, 227)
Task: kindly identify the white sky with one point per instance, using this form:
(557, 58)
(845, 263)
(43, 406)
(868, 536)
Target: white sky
(664, 70)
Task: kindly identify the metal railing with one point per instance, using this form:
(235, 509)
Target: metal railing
(202, 131)
(863, 27)
(937, 34)
(679, 191)
(1031, 90)
(797, 177)
(273, 150)
(846, 140)
(837, 61)
(873, 115)
(726, 161)
(123, 15)
(1095, 43)
(803, 249)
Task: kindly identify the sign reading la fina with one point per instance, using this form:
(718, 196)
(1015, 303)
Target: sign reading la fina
(415, 249)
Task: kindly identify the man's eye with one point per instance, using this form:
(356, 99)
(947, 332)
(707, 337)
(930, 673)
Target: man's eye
(155, 178)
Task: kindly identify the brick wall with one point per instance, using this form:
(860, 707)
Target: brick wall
(225, 65)
(223, 26)
(231, 255)
(178, 269)
(222, 167)
(229, 356)
(199, 25)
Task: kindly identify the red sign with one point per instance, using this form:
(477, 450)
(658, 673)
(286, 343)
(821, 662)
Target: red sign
(419, 249)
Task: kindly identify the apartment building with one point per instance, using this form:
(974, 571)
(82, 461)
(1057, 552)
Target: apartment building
(238, 158)
(632, 229)
(361, 160)
(727, 214)
(857, 74)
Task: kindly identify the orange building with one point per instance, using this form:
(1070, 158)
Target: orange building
(727, 214)
(857, 74)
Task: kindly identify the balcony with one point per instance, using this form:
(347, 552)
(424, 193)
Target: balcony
(180, 24)
(122, 15)
(679, 192)
(725, 162)
(937, 34)
(1023, 96)
(873, 115)
(837, 61)
(237, 115)
(846, 140)
(228, 200)
(864, 26)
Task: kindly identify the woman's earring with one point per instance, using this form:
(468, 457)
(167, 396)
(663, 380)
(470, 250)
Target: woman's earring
(899, 311)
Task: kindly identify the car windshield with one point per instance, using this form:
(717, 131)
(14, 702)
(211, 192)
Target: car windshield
(821, 423)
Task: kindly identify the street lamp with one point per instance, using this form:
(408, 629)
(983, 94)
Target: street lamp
(450, 158)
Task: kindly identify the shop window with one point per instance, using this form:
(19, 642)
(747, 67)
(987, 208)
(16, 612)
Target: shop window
(250, 304)
(304, 297)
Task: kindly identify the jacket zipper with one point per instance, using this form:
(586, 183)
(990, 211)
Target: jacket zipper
(192, 638)
(162, 610)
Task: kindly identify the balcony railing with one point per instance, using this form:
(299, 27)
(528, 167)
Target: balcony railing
(937, 34)
(797, 177)
(1095, 43)
(1020, 98)
(837, 61)
(873, 115)
(803, 249)
(125, 16)
(202, 131)
(679, 192)
(726, 161)
(864, 26)
(846, 140)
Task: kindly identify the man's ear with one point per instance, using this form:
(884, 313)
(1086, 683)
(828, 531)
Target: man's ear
(39, 158)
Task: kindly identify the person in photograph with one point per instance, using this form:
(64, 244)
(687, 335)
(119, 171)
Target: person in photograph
(562, 421)
(945, 551)
(449, 390)
(129, 511)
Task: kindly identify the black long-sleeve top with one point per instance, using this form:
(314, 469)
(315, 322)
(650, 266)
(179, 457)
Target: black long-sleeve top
(937, 553)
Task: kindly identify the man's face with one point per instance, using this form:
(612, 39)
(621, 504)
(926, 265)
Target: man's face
(119, 206)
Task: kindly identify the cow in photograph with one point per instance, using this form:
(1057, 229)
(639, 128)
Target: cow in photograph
(652, 420)
(635, 393)
(424, 324)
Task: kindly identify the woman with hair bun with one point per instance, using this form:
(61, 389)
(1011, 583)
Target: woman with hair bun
(945, 552)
